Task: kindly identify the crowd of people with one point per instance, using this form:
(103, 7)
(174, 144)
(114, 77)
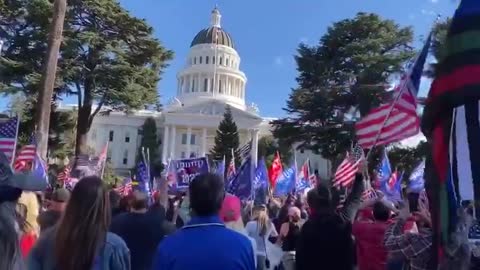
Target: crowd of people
(93, 227)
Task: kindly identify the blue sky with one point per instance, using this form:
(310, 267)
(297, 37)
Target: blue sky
(266, 34)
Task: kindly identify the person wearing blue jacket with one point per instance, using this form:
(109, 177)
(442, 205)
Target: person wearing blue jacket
(205, 243)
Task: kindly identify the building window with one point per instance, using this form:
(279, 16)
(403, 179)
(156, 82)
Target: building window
(227, 62)
(205, 85)
(193, 155)
(110, 136)
(184, 138)
(211, 85)
(193, 85)
(220, 88)
(193, 139)
(127, 136)
(125, 157)
(213, 60)
(206, 59)
(221, 62)
(194, 60)
(200, 60)
(183, 155)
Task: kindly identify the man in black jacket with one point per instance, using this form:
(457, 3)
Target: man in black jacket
(325, 240)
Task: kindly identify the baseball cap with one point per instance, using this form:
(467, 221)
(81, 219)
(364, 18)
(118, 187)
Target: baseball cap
(61, 195)
(231, 208)
(23, 181)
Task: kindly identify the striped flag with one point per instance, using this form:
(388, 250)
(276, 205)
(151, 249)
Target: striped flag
(398, 119)
(346, 171)
(64, 175)
(369, 194)
(8, 136)
(26, 155)
(244, 152)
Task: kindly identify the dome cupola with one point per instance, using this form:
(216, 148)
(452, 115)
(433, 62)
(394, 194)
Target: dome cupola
(214, 33)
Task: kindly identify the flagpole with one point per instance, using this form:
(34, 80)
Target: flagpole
(15, 144)
(104, 163)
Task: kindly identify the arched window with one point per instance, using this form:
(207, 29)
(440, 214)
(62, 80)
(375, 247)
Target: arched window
(200, 59)
(206, 59)
(220, 88)
(221, 62)
(194, 60)
(213, 60)
(227, 62)
(205, 85)
(193, 85)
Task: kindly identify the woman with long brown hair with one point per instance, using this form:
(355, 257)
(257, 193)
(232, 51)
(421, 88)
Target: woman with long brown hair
(81, 240)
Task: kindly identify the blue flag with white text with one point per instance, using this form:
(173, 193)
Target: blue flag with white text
(286, 181)
(416, 180)
(242, 185)
(260, 183)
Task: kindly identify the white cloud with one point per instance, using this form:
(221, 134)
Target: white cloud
(304, 40)
(278, 61)
(428, 12)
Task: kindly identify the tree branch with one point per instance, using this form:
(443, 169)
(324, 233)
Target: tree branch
(79, 94)
(97, 110)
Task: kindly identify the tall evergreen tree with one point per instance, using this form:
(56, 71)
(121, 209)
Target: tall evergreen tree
(150, 141)
(226, 139)
(107, 58)
(345, 75)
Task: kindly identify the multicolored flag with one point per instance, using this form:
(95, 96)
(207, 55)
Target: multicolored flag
(8, 136)
(26, 155)
(346, 171)
(303, 177)
(397, 119)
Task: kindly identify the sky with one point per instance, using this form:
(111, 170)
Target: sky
(266, 34)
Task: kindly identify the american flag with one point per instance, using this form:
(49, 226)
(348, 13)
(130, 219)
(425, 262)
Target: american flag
(8, 136)
(398, 119)
(64, 175)
(124, 189)
(369, 194)
(245, 151)
(346, 171)
(26, 155)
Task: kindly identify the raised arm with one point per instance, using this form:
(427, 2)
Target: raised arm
(353, 200)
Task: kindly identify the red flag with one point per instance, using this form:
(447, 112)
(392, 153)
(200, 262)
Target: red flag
(275, 170)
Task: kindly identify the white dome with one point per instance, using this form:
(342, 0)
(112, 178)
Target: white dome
(212, 71)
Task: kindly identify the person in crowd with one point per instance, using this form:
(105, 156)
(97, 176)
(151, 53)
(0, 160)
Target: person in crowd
(371, 253)
(414, 248)
(81, 239)
(12, 214)
(214, 247)
(58, 202)
(31, 231)
(172, 211)
(124, 205)
(326, 237)
(141, 231)
(157, 208)
(288, 237)
(261, 228)
(231, 215)
(114, 202)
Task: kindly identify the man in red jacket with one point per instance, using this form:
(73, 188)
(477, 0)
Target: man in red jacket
(369, 234)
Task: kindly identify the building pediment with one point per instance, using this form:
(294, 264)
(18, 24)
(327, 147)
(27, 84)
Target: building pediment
(211, 108)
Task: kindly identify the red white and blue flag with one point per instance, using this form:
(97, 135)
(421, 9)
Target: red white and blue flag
(397, 119)
(303, 177)
(8, 137)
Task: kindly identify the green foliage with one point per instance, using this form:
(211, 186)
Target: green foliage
(226, 139)
(440, 31)
(268, 146)
(108, 57)
(150, 141)
(407, 158)
(109, 175)
(344, 75)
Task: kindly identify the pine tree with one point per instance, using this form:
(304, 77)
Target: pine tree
(226, 139)
(150, 141)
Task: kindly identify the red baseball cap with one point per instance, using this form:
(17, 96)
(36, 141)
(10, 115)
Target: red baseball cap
(231, 208)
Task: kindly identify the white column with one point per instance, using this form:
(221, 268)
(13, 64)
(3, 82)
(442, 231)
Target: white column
(204, 142)
(208, 84)
(255, 146)
(191, 83)
(189, 137)
(172, 142)
(165, 142)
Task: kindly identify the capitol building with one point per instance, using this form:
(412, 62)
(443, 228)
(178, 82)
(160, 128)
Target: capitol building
(210, 80)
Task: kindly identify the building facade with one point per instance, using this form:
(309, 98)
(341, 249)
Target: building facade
(210, 80)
